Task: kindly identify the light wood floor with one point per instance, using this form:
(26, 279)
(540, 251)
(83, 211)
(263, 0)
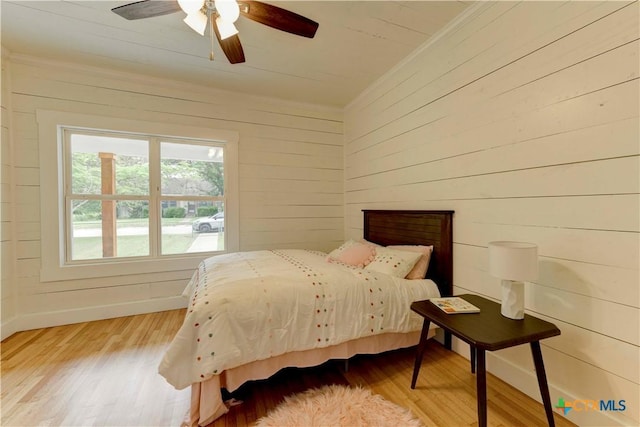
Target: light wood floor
(105, 374)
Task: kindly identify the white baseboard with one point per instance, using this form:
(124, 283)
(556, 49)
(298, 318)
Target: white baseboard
(8, 328)
(88, 314)
(527, 382)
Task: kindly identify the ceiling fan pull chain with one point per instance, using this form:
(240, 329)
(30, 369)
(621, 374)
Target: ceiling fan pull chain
(210, 13)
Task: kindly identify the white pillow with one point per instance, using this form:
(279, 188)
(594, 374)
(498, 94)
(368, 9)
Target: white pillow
(419, 270)
(393, 262)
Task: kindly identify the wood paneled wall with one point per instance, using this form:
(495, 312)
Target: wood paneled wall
(523, 117)
(290, 176)
(7, 241)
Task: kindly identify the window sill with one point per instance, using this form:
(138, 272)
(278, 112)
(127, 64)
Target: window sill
(53, 273)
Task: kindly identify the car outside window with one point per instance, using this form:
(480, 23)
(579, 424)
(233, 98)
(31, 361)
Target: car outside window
(213, 223)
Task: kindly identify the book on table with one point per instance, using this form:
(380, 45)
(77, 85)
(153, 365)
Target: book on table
(454, 305)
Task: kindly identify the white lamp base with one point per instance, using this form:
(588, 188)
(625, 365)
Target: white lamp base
(512, 299)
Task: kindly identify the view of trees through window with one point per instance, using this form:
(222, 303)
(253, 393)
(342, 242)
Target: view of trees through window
(114, 182)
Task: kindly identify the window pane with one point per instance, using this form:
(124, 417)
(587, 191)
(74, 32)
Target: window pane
(191, 170)
(191, 226)
(109, 165)
(110, 229)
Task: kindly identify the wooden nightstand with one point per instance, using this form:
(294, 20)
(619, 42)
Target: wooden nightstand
(487, 330)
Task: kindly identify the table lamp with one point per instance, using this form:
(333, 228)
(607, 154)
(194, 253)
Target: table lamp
(513, 262)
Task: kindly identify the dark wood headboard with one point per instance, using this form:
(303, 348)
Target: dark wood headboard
(409, 227)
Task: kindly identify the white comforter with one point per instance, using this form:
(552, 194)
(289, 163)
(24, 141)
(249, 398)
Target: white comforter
(250, 306)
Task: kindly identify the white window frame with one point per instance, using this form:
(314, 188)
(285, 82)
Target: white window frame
(52, 218)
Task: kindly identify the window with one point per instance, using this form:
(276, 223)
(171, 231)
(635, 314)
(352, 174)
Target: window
(148, 201)
(121, 188)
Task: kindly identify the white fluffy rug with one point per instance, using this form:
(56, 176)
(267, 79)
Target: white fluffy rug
(338, 406)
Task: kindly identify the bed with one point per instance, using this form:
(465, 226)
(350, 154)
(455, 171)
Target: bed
(233, 332)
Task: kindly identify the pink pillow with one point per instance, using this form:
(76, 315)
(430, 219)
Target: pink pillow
(358, 254)
(420, 269)
(366, 242)
(336, 252)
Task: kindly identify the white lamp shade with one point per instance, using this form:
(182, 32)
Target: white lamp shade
(197, 21)
(190, 6)
(228, 10)
(225, 28)
(513, 260)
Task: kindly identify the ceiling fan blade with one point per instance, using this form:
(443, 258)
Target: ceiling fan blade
(279, 18)
(231, 46)
(147, 9)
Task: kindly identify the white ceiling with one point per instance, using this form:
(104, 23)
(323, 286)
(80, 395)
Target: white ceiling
(356, 43)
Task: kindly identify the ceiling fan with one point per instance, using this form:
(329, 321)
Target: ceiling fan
(221, 15)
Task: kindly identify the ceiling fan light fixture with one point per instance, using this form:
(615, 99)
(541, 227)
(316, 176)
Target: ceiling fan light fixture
(228, 10)
(225, 28)
(197, 21)
(220, 15)
(190, 6)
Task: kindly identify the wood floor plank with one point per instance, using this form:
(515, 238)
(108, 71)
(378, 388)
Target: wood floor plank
(104, 373)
